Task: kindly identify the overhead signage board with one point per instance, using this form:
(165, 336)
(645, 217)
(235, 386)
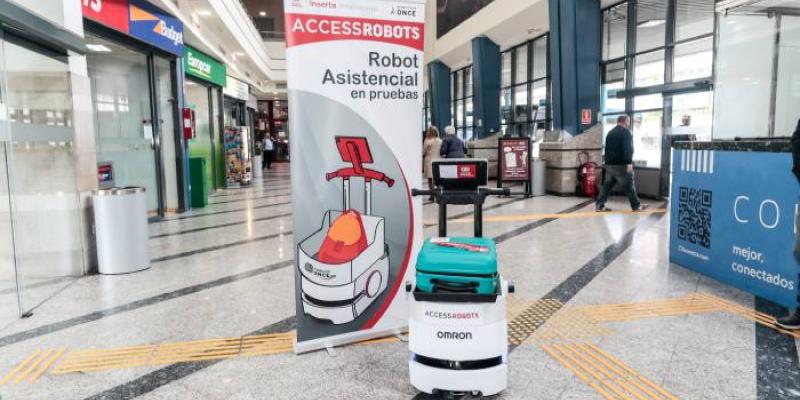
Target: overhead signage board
(153, 25)
(360, 69)
(112, 13)
(139, 19)
(237, 89)
(203, 67)
(735, 222)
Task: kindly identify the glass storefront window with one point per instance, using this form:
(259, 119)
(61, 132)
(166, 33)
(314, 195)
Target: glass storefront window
(651, 23)
(539, 100)
(521, 107)
(505, 76)
(787, 96)
(743, 76)
(457, 90)
(468, 82)
(693, 114)
(505, 106)
(39, 179)
(646, 128)
(693, 18)
(615, 29)
(123, 117)
(521, 72)
(648, 102)
(460, 113)
(469, 116)
(540, 57)
(649, 69)
(694, 60)
(612, 104)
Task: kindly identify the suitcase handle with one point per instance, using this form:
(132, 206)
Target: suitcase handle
(454, 287)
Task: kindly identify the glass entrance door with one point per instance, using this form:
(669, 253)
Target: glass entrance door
(124, 116)
(40, 225)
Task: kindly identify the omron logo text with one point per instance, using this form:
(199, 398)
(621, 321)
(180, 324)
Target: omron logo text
(454, 335)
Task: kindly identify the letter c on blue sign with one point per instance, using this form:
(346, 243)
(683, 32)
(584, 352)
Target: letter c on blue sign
(736, 209)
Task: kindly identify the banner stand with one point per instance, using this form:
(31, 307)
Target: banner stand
(514, 163)
(356, 227)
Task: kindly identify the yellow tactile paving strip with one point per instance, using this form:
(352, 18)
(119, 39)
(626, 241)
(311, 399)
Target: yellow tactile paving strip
(650, 309)
(606, 374)
(753, 315)
(570, 323)
(546, 322)
(33, 367)
(531, 319)
(179, 352)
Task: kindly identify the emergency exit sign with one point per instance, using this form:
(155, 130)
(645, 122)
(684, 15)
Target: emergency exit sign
(586, 116)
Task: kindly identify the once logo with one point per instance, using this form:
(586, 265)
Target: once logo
(326, 275)
(404, 11)
(454, 335)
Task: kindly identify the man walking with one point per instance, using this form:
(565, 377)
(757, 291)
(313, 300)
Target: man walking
(452, 146)
(792, 321)
(619, 165)
(268, 148)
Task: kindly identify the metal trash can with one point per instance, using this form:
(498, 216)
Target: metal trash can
(538, 176)
(121, 232)
(258, 172)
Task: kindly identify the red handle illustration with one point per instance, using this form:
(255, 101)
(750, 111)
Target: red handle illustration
(355, 150)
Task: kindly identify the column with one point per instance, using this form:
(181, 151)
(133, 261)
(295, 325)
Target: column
(575, 63)
(439, 94)
(486, 86)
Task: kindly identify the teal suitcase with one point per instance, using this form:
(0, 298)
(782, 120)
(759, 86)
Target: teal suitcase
(457, 265)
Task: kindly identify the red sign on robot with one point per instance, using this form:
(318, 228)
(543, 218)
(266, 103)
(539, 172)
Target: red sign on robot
(468, 171)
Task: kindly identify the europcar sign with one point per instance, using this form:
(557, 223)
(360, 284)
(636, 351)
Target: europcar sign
(203, 67)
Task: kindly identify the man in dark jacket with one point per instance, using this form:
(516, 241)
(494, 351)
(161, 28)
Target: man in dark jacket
(619, 165)
(452, 146)
(792, 321)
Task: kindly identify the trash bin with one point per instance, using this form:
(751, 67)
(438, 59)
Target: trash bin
(258, 173)
(122, 237)
(198, 181)
(538, 174)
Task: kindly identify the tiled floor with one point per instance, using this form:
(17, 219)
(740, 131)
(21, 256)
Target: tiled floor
(225, 271)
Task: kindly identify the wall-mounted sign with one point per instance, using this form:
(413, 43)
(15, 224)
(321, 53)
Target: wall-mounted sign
(154, 26)
(201, 66)
(586, 116)
(112, 13)
(237, 89)
(105, 175)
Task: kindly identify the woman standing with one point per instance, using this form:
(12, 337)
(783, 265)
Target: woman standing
(430, 152)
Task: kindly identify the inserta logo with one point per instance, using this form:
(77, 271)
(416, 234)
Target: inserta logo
(454, 335)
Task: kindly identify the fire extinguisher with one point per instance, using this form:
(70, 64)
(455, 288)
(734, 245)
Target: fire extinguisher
(587, 176)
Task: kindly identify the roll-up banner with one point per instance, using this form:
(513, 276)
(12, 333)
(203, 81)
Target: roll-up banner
(355, 72)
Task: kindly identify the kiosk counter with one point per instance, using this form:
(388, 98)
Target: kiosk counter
(733, 208)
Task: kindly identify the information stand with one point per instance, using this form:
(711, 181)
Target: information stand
(513, 163)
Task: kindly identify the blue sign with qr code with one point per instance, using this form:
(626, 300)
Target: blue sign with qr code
(733, 219)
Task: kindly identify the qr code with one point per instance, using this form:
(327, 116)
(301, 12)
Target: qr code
(694, 216)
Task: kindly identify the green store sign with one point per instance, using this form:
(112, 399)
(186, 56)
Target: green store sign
(201, 66)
